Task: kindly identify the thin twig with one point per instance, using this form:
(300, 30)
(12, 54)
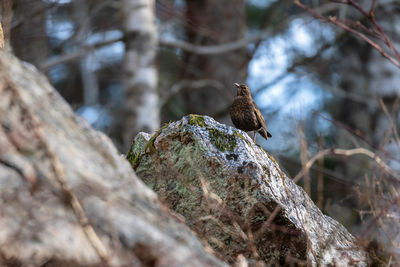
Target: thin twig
(337, 22)
(320, 177)
(193, 84)
(215, 49)
(392, 123)
(383, 211)
(267, 224)
(304, 160)
(371, 17)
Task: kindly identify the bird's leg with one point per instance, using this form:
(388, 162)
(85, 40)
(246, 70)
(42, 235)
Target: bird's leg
(254, 137)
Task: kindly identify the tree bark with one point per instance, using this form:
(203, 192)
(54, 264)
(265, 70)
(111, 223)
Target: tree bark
(141, 106)
(28, 36)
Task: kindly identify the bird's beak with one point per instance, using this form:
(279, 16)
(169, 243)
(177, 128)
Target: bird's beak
(237, 85)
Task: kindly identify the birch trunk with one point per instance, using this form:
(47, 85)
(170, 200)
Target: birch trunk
(89, 79)
(141, 106)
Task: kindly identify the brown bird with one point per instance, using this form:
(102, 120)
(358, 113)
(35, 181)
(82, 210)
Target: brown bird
(245, 113)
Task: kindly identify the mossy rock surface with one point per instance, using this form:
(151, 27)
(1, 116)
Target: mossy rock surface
(226, 188)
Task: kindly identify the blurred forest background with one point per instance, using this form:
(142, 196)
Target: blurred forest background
(315, 71)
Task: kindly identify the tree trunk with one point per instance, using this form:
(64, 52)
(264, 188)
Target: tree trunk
(88, 76)
(28, 35)
(211, 22)
(141, 106)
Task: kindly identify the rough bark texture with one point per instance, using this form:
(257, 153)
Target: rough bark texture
(141, 105)
(60, 179)
(235, 197)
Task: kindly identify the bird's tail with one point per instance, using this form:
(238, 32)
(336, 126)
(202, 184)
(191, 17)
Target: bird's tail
(264, 133)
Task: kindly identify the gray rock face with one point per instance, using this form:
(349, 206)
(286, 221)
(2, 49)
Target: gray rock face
(236, 198)
(60, 180)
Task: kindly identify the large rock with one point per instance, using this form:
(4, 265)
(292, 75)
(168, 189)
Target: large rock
(236, 198)
(66, 197)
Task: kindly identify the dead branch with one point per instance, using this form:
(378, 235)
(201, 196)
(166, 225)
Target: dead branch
(377, 32)
(347, 153)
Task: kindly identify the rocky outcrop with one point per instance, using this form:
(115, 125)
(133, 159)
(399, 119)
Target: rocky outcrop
(236, 198)
(66, 197)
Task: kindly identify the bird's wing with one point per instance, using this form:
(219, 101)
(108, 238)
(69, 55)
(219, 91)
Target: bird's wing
(259, 117)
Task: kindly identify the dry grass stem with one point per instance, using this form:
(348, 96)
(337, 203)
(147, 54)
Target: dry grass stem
(1, 37)
(320, 176)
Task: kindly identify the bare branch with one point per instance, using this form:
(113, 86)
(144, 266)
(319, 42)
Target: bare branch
(320, 176)
(392, 123)
(215, 49)
(370, 16)
(347, 153)
(372, 9)
(231, 46)
(76, 54)
(192, 84)
(203, 50)
(179, 44)
(304, 159)
(335, 21)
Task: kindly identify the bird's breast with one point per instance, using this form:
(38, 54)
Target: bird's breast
(242, 114)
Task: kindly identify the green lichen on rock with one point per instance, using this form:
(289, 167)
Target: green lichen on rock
(140, 146)
(150, 145)
(183, 188)
(136, 160)
(236, 133)
(130, 156)
(223, 141)
(188, 198)
(221, 197)
(136, 150)
(197, 120)
(201, 188)
(133, 158)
